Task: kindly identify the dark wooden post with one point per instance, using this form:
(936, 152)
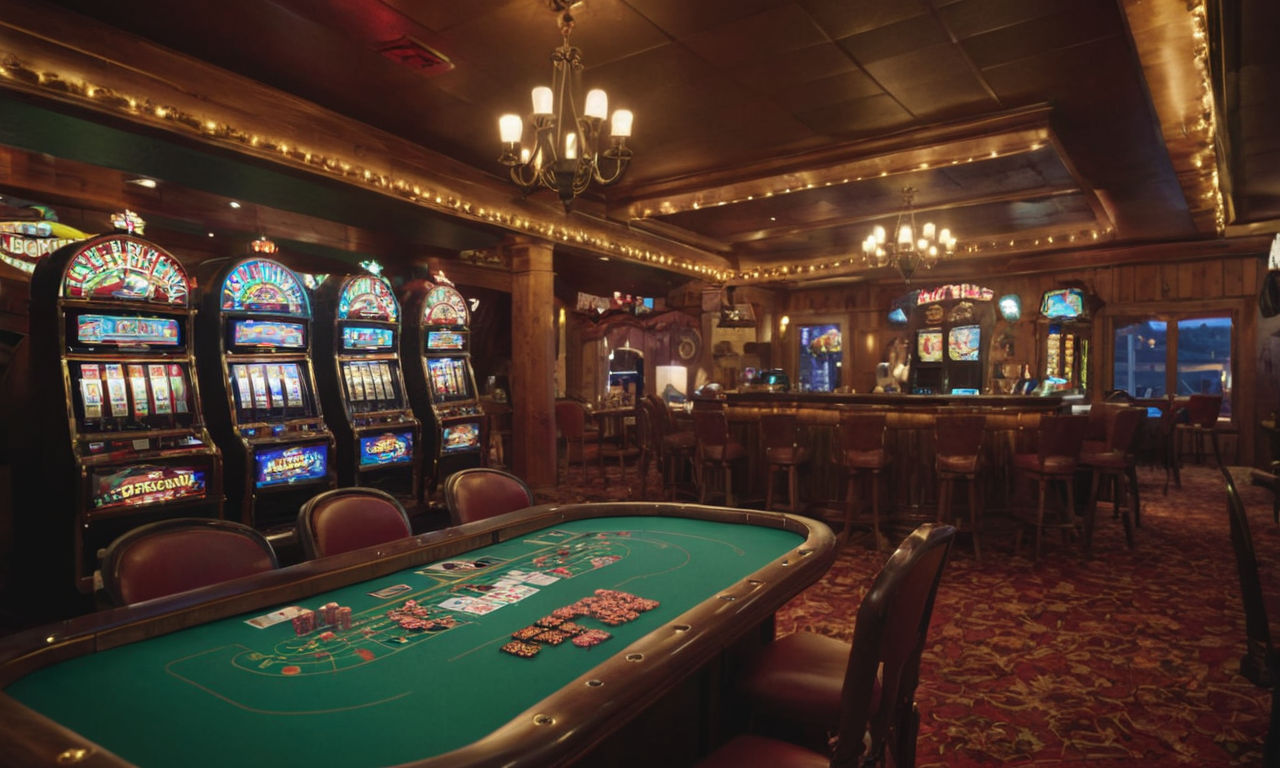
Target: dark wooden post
(533, 360)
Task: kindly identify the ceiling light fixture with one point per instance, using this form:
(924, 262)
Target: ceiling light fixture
(563, 152)
(913, 247)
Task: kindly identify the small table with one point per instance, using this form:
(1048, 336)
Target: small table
(193, 680)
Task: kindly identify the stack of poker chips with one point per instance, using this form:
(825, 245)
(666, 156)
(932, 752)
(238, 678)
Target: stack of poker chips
(305, 622)
(343, 617)
(329, 614)
(606, 606)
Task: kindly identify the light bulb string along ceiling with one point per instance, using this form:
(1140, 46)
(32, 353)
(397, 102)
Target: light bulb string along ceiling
(556, 147)
(912, 247)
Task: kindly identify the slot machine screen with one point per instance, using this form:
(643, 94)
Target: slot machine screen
(131, 394)
(371, 385)
(126, 331)
(291, 464)
(387, 448)
(268, 334)
(449, 378)
(356, 337)
(269, 391)
(446, 340)
(1063, 304)
(144, 484)
(929, 345)
(464, 436)
(964, 343)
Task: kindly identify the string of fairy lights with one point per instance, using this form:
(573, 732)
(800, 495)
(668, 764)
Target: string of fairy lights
(434, 195)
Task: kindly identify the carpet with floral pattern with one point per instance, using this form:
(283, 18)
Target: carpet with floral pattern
(1128, 658)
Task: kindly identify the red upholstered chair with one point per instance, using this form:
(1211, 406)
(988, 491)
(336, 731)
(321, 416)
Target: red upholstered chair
(171, 556)
(676, 447)
(783, 453)
(864, 691)
(480, 492)
(1114, 460)
(860, 440)
(717, 452)
(958, 456)
(344, 519)
(1202, 420)
(1057, 455)
(581, 445)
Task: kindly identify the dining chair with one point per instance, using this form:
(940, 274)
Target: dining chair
(863, 691)
(580, 445)
(1113, 463)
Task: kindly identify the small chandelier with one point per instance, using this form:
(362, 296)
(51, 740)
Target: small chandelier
(564, 150)
(908, 252)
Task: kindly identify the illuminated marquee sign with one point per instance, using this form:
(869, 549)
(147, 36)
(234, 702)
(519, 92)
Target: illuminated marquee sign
(145, 484)
(389, 448)
(128, 268)
(298, 463)
(368, 298)
(957, 291)
(263, 285)
(24, 243)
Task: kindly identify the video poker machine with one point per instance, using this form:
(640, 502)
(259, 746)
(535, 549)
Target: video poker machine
(362, 385)
(442, 385)
(111, 328)
(255, 332)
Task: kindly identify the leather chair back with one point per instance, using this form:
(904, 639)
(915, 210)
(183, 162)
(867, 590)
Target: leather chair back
(1260, 663)
(888, 638)
(480, 492)
(171, 556)
(344, 519)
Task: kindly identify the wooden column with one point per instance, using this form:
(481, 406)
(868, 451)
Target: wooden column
(533, 360)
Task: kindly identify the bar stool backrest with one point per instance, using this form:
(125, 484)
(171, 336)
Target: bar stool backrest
(860, 432)
(778, 430)
(1122, 434)
(959, 434)
(1061, 437)
(711, 427)
(571, 419)
(1203, 410)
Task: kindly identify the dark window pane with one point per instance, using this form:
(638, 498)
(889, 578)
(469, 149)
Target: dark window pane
(821, 357)
(1139, 358)
(1204, 358)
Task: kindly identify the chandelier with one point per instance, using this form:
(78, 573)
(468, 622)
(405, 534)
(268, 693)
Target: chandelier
(557, 147)
(913, 247)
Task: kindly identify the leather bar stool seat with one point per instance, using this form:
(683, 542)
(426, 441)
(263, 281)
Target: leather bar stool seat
(1057, 456)
(957, 458)
(861, 453)
(783, 453)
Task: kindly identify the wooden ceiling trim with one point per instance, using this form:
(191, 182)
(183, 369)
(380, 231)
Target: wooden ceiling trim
(1171, 42)
(105, 71)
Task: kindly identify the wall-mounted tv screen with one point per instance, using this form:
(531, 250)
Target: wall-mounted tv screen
(929, 345)
(291, 464)
(1063, 304)
(269, 334)
(128, 331)
(963, 343)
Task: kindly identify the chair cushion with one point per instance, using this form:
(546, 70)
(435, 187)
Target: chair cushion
(680, 441)
(1105, 459)
(798, 678)
(751, 750)
(965, 465)
(352, 522)
(787, 454)
(875, 459)
(177, 561)
(1052, 465)
(728, 452)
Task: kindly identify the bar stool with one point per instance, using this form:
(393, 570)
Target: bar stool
(717, 452)
(1202, 419)
(1112, 462)
(957, 457)
(1057, 455)
(861, 452)
(782, 453)
(579, 444)
(676, 447)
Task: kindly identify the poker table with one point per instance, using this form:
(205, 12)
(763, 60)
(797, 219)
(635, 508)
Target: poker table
(404, 653)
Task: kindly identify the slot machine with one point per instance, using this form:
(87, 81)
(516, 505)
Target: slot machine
(255, 334)
(357, 346)
(111, 330)
(442, 387)
(953, 325)
(1065, 328)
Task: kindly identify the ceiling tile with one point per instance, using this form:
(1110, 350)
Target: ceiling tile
(770, 33)
(895, 39)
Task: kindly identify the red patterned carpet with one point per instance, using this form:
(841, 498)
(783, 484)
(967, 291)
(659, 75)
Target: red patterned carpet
(1131, 658)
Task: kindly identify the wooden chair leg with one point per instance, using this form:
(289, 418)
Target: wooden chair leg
(875, 507)
(1131, 472)
(1040, 517)
(973, 518)
(793, 489)
(768, 494)
(848, 506)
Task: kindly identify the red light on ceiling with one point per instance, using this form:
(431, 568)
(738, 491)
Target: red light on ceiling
(416, 55)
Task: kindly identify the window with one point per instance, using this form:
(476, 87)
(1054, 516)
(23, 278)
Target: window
(1186, 355)
(821, 357)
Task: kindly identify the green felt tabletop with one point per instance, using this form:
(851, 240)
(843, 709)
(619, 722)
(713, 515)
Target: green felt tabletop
(229, 693)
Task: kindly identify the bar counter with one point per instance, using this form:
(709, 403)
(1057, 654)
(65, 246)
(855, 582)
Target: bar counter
(1011, 421)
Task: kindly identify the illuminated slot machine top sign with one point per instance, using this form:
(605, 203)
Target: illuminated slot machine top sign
(263, 285)
(445, 306)
(368, 297)
(127, 268)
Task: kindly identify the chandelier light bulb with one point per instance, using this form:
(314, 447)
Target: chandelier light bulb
(879, 234)
(509, 128)
(597, 104)
(904, 236)
(542, 100)
(571, 146)
(620, 126)
(928, 231)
